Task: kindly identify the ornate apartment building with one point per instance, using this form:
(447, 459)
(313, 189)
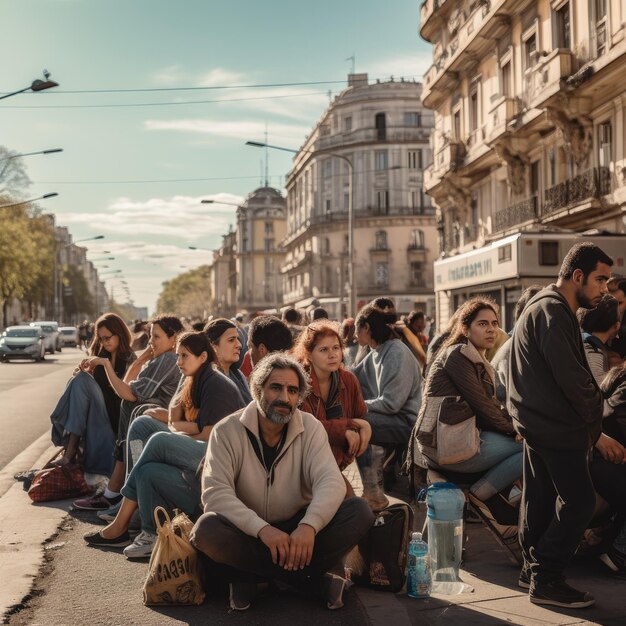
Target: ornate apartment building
(530, 125)
(261, 226)
(381, 132)
(224, 277)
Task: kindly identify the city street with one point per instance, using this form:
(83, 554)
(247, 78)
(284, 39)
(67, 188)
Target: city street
(51, 576)
(28, 393)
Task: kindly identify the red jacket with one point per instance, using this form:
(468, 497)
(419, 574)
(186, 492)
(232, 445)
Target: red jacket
(350, 399)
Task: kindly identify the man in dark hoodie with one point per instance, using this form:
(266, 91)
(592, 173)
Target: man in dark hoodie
(556, 406)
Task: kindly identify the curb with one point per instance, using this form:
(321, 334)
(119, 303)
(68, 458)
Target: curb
(25, 527)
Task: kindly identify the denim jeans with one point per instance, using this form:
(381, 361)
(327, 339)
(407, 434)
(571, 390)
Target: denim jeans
(141, 429)
(500, 457)
(81, 411)
(166, 475)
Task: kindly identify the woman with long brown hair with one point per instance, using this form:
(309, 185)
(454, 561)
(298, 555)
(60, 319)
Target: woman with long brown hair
(335, 397)
(165, 473)
(89, 409)
(461, 386)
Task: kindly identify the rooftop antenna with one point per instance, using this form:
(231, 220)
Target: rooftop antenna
(353, 64)
(267, 158)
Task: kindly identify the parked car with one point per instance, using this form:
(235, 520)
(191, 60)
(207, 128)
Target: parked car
(69, 335)
(50, 329)
(22, 342)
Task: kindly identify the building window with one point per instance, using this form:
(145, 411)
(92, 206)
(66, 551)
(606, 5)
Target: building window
(505, 79)
(380, 160)
(269, 228)
(549, 253)
(599, 25)
(563, 27)
(414, 199)
(382, 275)
(456, 124)
(347, 124)
(382, 200)
(381, 240)
(381, 126)
(415, 160)
(605, 156)
(504, 253)
(269, 245)
(416, 241)
(473, 106)
(534, 179)
(417, 274)
(327, 206)
(268, 267)
(325, 245)
(530, 51)
(327, 168)
(412, 118)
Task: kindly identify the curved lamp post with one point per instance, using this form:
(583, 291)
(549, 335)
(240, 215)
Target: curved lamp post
(352, 285)
(36, 85)
(45, 196)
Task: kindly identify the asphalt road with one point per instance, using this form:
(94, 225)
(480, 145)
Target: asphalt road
(28, 393)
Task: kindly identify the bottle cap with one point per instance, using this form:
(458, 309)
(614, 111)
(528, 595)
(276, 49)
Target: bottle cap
(416, 536)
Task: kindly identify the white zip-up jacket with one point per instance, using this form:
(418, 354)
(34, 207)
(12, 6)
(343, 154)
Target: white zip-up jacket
(236, 484)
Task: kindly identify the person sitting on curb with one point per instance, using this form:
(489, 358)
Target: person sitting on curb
(273, 495)
(166, 472)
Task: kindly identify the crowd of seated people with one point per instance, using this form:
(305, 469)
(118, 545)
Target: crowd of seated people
(197, 423)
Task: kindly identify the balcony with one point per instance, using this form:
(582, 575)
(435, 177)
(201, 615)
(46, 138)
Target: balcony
(473, 40)
(427, 10)
(593, 183)
(544, 79)
(502, 113)
(515, 214)
(370, 135)
(449, 158)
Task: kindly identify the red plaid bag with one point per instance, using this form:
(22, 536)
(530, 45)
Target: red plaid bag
(58, 483)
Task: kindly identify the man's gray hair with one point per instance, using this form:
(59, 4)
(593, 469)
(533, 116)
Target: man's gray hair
(280, 361)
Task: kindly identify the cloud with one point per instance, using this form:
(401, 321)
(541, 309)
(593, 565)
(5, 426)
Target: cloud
(168, 75)
(179, 216)
(287, 134)
(219, 76)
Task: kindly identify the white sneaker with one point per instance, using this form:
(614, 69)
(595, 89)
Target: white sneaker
(142, 547)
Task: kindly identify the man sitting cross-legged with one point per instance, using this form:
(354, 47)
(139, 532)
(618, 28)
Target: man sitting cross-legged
(273, 494)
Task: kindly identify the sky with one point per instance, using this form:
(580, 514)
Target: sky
(155, 103)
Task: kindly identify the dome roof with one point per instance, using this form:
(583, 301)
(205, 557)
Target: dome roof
(264, 196)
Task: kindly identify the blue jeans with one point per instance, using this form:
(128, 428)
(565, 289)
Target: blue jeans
(500, 457)
(166, 474)
(81, 411)
(141, 429)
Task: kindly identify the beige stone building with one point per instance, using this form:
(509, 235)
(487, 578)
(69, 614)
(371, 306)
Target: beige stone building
(382, 131)
(261, 226)
(530, 130)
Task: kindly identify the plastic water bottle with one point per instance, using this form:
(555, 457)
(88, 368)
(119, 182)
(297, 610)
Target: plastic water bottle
(418, 581)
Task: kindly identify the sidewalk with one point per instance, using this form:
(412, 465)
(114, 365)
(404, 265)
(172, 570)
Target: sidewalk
(80, 585)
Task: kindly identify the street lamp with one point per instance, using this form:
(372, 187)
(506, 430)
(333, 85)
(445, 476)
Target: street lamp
(203, 249)
(36, 85)
(44, 197)
(9, 157)
(219, 202)
(351, 283)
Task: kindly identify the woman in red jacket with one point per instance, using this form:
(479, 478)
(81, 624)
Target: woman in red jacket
(335, 398)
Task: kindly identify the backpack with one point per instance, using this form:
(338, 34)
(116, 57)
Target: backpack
(384, 549)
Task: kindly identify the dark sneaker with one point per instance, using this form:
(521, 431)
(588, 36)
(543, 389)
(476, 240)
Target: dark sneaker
(332, 590)
(96, 503)
(614, 560)
(241, 595)
(524, 578)
(559, 593)
(97, 540)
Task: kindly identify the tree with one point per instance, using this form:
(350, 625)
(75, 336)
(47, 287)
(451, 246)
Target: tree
(13, 177)
(76, 296)
(188, 294)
